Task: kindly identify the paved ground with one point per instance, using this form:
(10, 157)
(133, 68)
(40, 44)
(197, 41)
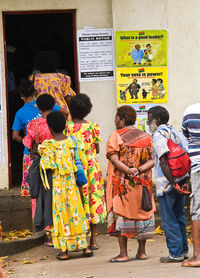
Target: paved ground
(98, 266)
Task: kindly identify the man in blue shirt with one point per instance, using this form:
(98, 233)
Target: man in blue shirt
(171, 200)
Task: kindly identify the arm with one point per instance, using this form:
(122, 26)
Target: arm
(64, 112)
(167, 172)
(16, 136)
(121, 166)
(149, 164)
(97, 148)
(67, 99)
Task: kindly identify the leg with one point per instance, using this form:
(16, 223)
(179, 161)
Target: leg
(141, 252)
(62, 256)
(180, 215)
(2, 275)
(195, 213)
(93, 242)
(170, 224)
(123, 256)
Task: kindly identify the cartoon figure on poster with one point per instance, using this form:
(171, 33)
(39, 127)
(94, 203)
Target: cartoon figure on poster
(142, 116)
(147, 48)
(145, 88)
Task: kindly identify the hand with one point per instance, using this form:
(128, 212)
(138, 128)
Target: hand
(133, 172)
(177, 188)
(185, 187)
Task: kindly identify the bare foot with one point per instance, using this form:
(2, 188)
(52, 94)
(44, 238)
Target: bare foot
(119, 259)
(193, 262)
(141, 256)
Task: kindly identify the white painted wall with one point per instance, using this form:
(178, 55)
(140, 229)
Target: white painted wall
(179, 17)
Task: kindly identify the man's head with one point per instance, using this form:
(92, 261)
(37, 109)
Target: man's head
(157, 116)
(137, 46)
(134, 81)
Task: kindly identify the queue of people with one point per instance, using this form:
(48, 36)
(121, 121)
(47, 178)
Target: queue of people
(67, 143)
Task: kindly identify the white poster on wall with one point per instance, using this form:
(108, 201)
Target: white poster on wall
(95, 54)
(1, 121)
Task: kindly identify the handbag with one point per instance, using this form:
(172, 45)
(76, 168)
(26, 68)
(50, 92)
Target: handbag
(146, 203)
(34, 149)
(79, 175)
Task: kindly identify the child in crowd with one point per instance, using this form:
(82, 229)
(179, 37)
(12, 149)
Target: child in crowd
(70, 225)
(24, 115)
(38, 130)
(93, 192)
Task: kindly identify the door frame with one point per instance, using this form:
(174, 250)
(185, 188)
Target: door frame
(4, 14)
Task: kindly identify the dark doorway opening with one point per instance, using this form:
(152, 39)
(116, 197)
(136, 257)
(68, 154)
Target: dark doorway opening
(28, 33)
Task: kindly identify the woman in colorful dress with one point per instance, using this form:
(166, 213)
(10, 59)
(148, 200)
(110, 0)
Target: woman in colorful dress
(48, 81)
(93, 192)
(38, 130)
(129, 151)
(70, 225)
(24, 115)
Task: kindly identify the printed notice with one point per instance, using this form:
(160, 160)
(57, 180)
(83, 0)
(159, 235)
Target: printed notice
(95, 54)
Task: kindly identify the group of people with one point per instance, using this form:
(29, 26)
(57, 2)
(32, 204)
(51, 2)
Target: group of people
(53, 117)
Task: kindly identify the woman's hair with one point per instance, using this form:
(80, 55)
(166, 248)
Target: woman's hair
(26, 88)
(46, 61)
(159, 112)
(56, 121)
(45, 102)
(127, 113)
(80, 106)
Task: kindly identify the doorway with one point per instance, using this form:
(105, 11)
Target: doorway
(25, 34)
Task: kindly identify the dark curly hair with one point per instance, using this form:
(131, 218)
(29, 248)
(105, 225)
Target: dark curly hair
(159, 112)
(26, 88)
(56, 121)
(127, 113)
(45, 102)
(46, 61)
(80, 106)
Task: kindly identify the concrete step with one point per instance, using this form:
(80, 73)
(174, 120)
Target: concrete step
(15, 210)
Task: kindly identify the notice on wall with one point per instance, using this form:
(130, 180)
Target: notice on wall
(142, 85)
(95, 54)
(142, 116)
(136, 48)
(1, 121)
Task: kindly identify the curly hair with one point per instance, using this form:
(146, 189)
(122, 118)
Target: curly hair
(159, 112)
(45, 102)
(26, 88)
(127, 113)
(56, 120)
(80, 106)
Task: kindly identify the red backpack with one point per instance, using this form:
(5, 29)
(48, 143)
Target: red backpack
(178, 160)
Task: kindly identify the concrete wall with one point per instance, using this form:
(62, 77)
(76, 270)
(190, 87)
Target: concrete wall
(179, 17)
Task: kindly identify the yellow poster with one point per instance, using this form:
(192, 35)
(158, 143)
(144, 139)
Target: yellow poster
(142, 85)
(141, 48)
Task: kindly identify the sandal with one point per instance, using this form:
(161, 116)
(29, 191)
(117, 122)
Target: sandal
(49, 244)
(116, 260)
(88, 254)
(94, 247)
(60, 256)
(138, 257)
(190, 264)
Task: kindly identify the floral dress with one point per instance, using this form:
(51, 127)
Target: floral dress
(70, 225)
(93, 196)
(58, 85)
